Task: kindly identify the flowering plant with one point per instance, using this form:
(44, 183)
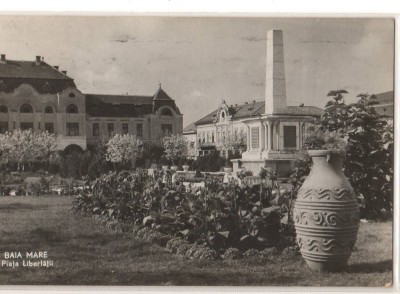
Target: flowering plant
(122, 148)
(175, 146)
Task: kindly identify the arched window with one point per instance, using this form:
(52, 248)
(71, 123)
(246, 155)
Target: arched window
(26, 108)
(3, 109)
(72, 108)
(48, 109)
(223, 116)
(166, 111)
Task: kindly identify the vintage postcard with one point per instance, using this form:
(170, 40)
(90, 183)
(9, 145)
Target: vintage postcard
(196, 151)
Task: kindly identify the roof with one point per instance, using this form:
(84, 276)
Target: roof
(118, 105)
(42, 77)
(386, 110)
(119, 99)
(385, 97)
(161, 95)
(100, 105)
(302, 110)
(255, 108)
(30, 70)
(386, 104)
(191, 128)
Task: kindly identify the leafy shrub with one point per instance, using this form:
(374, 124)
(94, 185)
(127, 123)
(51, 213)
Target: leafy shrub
(252, 253)
(183, 248)
(291, 251)
(175, 147)
(152, 153)
(232, 254)
(270, 252)
(219, 216)
(70, 165)
(209, 163)
(175, 243)
(369, 151)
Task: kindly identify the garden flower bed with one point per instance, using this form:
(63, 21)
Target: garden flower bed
(197, 222)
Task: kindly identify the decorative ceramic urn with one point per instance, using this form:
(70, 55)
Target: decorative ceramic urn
(326, 214)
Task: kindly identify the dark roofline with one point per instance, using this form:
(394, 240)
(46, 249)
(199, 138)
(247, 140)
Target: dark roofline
(208, 118)
(42, 62)
(117, 95)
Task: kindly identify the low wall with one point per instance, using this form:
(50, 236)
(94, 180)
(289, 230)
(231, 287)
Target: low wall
(282, 167)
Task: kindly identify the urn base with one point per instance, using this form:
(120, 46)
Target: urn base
(334, 266)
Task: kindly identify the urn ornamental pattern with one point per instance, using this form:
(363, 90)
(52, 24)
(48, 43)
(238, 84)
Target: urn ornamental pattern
(326, 214)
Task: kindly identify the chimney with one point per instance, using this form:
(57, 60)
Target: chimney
(56, 67)
(64, 72)
(38, 60)
(275, 86)
(3, 57)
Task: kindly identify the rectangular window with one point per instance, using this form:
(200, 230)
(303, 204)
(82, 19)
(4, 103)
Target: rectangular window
(289, 136)
(125, 128)
(3, 127)
(110, 129)
(26, 126)
(212, 137)
(96, 130)
(166, 129)
(72, 129)
(139, 130)
(49, 127)
(255, 137)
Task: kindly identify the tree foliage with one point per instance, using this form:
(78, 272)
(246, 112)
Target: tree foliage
(25, 147)
(175, 147)
(369, 151)
(122, 148)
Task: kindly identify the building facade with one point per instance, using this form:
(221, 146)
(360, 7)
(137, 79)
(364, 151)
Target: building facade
(190, 134)
(37, 96)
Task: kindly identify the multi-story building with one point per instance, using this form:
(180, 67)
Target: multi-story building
(37, 96)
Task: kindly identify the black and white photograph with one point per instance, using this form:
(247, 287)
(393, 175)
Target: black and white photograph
(164, 150)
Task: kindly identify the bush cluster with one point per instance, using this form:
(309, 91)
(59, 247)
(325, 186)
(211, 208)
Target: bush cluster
(218, 216)
(367, 139)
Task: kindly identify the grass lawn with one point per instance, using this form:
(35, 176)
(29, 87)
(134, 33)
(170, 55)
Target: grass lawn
(86, 254)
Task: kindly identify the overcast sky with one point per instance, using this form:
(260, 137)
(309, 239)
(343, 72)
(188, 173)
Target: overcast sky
(200, 61)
